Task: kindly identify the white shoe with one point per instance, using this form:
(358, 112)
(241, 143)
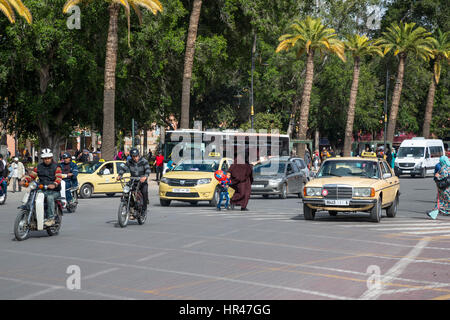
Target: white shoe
(2, 198)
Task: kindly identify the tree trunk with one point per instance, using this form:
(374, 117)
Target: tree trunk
(304, 108)
(108, 134)
(396, 98)
(351, 109)
(189, 62)
(429, 108)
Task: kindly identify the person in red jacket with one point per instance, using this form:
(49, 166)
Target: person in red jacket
(159, 166)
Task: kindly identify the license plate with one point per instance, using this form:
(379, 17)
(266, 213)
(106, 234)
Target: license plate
(406, 171)
(337, 202)
(181, 190)
(257, 186)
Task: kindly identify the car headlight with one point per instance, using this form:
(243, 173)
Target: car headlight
(313, 191)
(363, 192)
(418, 165)
(126, 189)
(275, 182)
(165, 180)
(203, 181)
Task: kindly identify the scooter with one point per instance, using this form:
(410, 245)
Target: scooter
(31, 215)
(3, 197)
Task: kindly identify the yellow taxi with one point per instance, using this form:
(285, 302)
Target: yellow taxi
(353, 184)
(99, 177)
(193, 181)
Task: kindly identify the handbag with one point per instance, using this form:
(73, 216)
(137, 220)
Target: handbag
(443, 184)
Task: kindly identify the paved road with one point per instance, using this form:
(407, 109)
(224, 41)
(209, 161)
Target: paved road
(194, 252)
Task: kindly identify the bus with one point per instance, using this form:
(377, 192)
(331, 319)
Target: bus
(196, 144)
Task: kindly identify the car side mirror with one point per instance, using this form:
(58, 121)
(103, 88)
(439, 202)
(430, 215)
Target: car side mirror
(387, 175)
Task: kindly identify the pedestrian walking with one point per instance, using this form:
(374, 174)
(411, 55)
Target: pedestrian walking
(241, 181)
(442, 179)
(316, 160)
(389, 156)
(159, 163)
(18, 172)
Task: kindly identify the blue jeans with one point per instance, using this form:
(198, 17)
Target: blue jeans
(50, 197)
(68, 193)
(3, 188)
(224, 194)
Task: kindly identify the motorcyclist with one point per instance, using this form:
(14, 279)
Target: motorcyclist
(71, 170)
(139, 168)
(50, 175)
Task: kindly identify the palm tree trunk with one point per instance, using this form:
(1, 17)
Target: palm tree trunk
(351, 109)
(189, 62)
(108, 134)
(304, 107)
(429, 108)
(396, 99)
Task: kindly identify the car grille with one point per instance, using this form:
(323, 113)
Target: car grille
(338, 192)
(182, 194)
(406, 165)
(182, 182)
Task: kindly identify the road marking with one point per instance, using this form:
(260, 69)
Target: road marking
(36, 294)
(413, 228)
(392, 225)
(191, 274)
(429, 232)
(394, 272)
(189, 245)
(99, 273)
(152, 256)
(27, 282)
(228, 233)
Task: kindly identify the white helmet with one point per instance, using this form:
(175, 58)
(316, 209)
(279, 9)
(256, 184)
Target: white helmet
(46, 153)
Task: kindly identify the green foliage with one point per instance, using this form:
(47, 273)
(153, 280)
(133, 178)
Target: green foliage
(264, 121)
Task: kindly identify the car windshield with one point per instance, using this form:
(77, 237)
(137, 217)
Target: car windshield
(89, 167)
(416, 152)
(349, 168)
(271, 167)
(203, 166)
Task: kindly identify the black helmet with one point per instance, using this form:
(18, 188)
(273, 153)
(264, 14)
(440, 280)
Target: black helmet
(66, 155)
(134, 152)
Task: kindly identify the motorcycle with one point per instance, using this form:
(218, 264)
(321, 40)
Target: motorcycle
(31, 215)
(131, 203)
(72, 205)
(4, 196)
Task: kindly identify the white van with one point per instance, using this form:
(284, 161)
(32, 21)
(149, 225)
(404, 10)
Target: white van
(418, 156)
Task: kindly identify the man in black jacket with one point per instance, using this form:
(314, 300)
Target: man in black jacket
(138, 167)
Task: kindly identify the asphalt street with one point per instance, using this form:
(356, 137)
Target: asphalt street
(194, 252)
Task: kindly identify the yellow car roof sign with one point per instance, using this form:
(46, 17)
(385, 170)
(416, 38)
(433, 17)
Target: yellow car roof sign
(368, 154)
(214, 154)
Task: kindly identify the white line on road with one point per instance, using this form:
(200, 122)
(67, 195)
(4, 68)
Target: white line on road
(392, 225)
(395, 271)
(429, 232)
(413, 228)
(152, 256)
(189, 245)
(228, 233)
(100, 273)
(36, 294)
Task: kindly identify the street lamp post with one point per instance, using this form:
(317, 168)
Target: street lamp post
(385, 108)
(253, 67)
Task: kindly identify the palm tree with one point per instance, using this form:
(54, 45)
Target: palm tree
(6, 6)
(404, 39)
(108, 133)
(359, 46)
(189, 62)
(309, 36)
(441, 52)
